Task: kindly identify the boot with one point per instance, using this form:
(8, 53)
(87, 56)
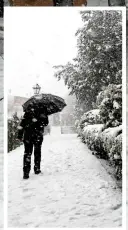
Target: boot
(37, 171)
(25, 176)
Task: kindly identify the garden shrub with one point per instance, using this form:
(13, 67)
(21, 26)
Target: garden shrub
(90, 134)
(13, 124)
(116, 155)
(107, 144)
(104, 141)
(109, 102)
(89, 118)
(101, 129)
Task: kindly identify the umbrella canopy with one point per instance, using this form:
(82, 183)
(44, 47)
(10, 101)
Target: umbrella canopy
(45, 102)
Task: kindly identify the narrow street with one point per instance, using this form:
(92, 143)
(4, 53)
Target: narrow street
(74, 190)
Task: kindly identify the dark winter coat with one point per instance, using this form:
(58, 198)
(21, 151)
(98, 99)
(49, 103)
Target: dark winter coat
(32, 126)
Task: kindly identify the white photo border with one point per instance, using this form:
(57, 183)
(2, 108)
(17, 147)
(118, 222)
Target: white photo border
(67, 10)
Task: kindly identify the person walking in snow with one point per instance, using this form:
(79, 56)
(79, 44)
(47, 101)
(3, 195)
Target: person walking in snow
(31, 131)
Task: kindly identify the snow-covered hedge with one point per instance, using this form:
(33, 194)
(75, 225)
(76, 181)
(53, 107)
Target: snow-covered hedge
(101, 128)
(107, 138)
(106, 143)
(89, 118)
(116, 155)
(90, 133)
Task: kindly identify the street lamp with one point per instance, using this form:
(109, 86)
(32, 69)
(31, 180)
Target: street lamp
(36, 89)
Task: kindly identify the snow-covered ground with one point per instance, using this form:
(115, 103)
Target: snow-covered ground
(74, 190)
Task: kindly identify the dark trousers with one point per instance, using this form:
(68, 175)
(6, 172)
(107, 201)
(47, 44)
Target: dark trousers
(28, 149)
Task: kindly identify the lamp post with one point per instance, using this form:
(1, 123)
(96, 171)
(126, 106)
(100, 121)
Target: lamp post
(36, 89)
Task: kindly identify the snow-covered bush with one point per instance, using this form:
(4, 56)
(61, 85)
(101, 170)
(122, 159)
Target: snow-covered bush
(107, 138)
(101, 128)
(90, 134)
(106, 143)
(89, 118)
(116, 150)
(116, 155)
(110, 105)
(13, 124)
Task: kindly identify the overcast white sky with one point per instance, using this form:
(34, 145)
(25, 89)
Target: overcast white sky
(35, 40)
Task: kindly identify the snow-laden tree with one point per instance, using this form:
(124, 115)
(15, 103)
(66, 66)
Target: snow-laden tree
(110, 105)
(99, 57)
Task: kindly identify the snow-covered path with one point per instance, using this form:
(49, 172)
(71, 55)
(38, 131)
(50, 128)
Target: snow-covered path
(73, 190)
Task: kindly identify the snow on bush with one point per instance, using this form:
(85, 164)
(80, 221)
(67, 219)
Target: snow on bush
(116, 155)
(101, 128)
(108, 136)
(89, 118)
(110, 105)
(13, 126)
(106, 143)
(116, 150)
(105, 140)
(90, 134)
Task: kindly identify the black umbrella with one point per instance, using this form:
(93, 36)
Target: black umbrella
(48, 102)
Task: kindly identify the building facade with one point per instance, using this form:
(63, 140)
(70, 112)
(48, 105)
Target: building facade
(15, 105)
